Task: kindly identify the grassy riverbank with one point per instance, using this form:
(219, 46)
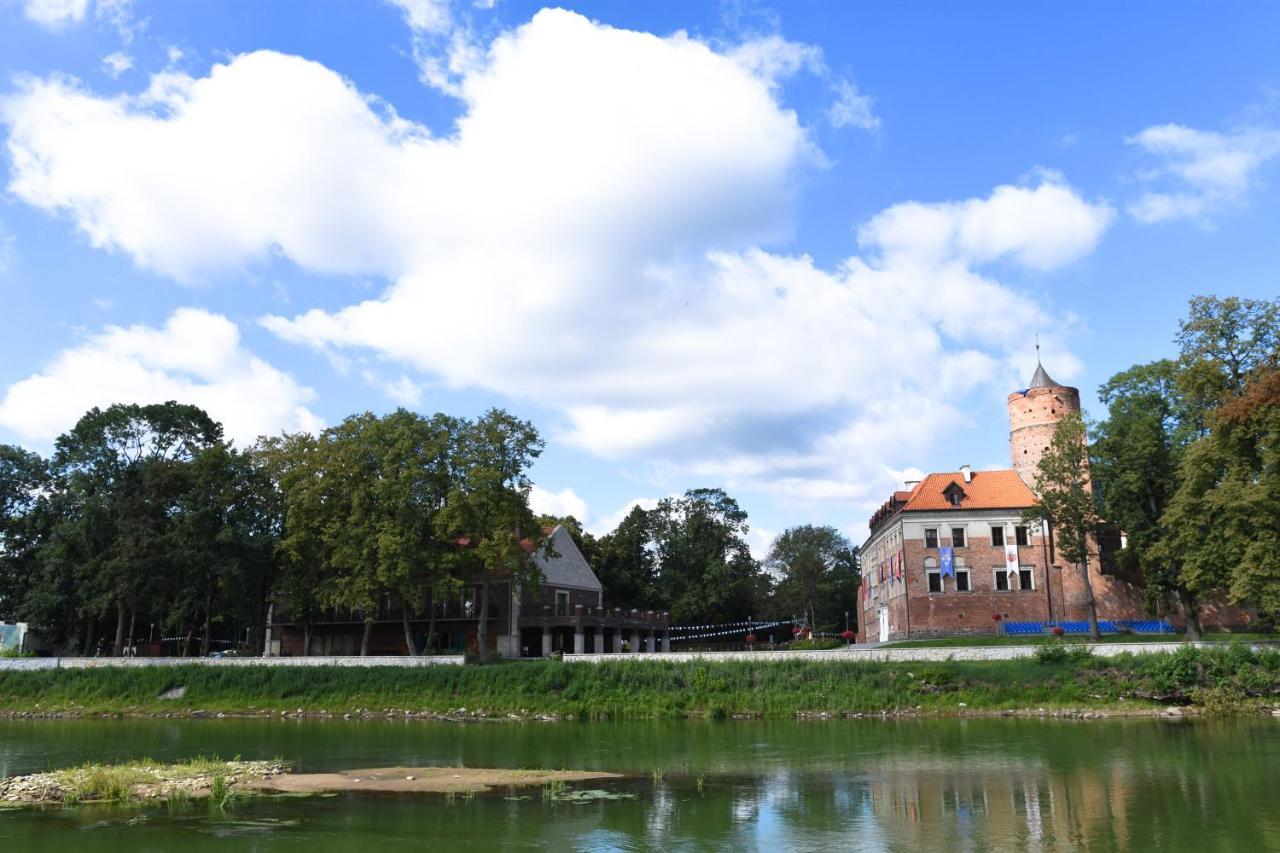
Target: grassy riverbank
(1226, 679)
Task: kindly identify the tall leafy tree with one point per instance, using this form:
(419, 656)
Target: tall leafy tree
(24, 515)
(1221, 343)
(626, 562)
(817, 574)
(1137, 453)
(1065, 499)
(123, 470)
(362, 505)
(224, 536)
(1221, 522)
(487, 512)
(705, 571)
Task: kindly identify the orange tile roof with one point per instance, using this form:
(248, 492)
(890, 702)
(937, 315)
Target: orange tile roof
(985, 490)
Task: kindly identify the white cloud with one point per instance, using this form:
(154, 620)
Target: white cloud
(852, 108)
(56, 14)
(1041, 227)
(565, 245)
(558, 504)
(196, 357)
(115, 64)
(773, 59)
(444, 46)
(59, 15)
(428, 16)
(1203, 170)
(402, 390)
(8, 250)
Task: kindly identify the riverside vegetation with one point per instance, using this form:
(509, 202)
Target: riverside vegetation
(1232, 679)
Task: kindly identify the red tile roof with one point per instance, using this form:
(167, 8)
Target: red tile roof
(985, 490)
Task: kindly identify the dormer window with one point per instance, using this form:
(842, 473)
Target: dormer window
(954, 494)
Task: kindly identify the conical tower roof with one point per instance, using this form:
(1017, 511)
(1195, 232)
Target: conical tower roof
(1041, 378)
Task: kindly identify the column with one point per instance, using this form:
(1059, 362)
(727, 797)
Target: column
(651, 643)
(546, 642)
(635, 642)
(666, 642)
(617, 640)
(578, 640)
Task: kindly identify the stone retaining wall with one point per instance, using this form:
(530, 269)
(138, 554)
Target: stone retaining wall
(92, 663)
(892, 655)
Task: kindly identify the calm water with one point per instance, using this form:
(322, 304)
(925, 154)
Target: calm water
(955, 785)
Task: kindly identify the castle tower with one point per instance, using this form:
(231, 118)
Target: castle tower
(1034, 413)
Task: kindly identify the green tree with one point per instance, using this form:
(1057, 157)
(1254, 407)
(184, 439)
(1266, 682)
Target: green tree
(1224, 519)
(705, 571)
(1066, 501)
(625, 561)
(362, 503)
(1221, 343)
(816, 571)
(224, 539)
(123, 471)
(1221, 520)
(1137, 452)
(487, 511)
(24, 484)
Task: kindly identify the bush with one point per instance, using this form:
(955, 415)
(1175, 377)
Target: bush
(816, 644)
(1053, 653)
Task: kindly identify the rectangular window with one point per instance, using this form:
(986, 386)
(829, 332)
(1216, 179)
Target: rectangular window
(1026, 578)
(997, 536)
(1022, 535)
(931, 537)
(962, 580)
(1002, 579)
(957, 537)
(562, 602)
(935, 580)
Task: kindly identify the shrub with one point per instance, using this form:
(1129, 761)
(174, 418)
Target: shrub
(1055, 653)
(816, 644)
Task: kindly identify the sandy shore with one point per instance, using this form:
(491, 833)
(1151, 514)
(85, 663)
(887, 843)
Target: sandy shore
(438, 780)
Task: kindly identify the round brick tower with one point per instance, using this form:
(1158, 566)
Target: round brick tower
(1033, 415)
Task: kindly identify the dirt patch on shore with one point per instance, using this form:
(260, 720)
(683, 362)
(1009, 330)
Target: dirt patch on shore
(435, 780)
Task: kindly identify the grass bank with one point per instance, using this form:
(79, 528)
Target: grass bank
(1226, 679)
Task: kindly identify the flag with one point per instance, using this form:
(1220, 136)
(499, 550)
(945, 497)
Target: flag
(1011, 558)
(946, 559)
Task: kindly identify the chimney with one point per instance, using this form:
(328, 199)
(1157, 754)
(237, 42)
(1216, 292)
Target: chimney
(911, 484)
(966, 473)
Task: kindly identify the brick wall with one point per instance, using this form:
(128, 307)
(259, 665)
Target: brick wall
(1032, 419)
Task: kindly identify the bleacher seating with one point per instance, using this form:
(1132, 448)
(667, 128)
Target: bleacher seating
(1105, 626)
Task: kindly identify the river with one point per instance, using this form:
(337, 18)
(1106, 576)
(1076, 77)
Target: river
(896, 785)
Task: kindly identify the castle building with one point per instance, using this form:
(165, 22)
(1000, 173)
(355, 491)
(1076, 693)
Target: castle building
(951, 553)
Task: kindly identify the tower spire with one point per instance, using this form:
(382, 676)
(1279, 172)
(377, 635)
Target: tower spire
(1041, 378)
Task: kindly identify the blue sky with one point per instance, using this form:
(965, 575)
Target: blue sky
(797, 251)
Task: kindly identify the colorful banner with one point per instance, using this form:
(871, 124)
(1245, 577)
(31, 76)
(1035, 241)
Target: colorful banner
(946, 559)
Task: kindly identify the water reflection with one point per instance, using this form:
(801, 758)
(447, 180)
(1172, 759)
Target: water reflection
(957, 785)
